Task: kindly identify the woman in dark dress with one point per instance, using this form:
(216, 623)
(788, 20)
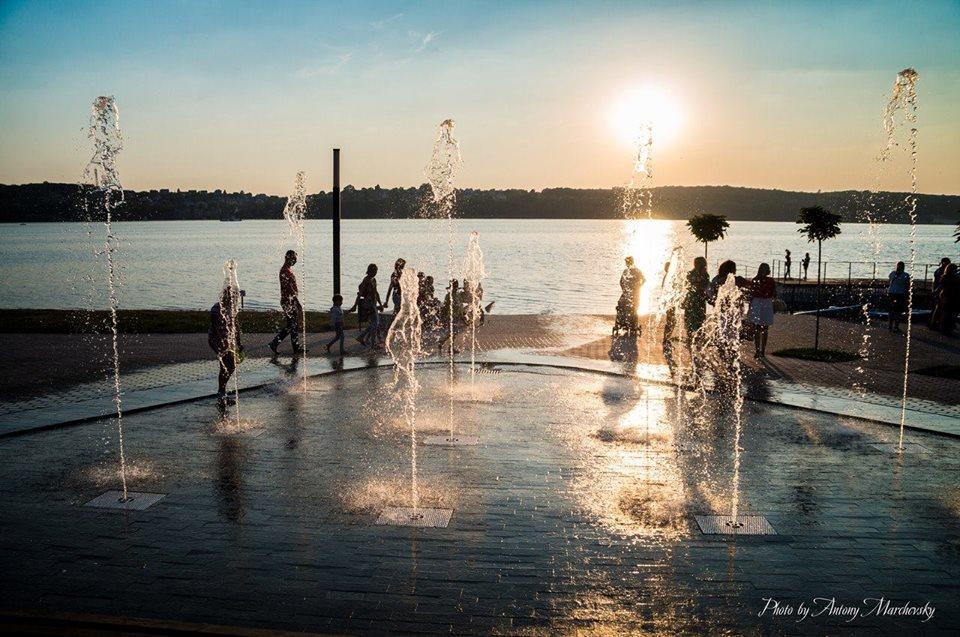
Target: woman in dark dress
(695, 302)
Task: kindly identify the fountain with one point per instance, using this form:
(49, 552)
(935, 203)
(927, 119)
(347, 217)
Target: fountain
(637, 196)
(901, 110)
(441, 172)
(295, 212)
(101, 173)
(403, 344)
(717, 344)
(473, 275)
(229, 308)
(904, 99)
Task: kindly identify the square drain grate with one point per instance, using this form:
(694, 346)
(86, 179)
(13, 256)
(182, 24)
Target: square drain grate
(447, 441)
(893, 448)
(135, 501)
(745, 525)
(421, 517)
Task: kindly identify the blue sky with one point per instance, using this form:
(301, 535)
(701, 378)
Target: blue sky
(241, 95)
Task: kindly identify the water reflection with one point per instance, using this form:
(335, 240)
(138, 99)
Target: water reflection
(231, 466)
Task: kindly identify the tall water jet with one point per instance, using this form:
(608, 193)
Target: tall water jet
(903, 100)
(101, 173)
(441, 173)
(673, 290)
(637, 196)
(716, 347)
(403, 344)
(229, 309)
(729, 312)
(474, 273)
(295, 212)
(404, 347)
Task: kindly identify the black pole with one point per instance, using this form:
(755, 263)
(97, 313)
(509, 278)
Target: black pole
(335, 215)
(816, 338)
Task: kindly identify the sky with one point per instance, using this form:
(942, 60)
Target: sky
(241, 95)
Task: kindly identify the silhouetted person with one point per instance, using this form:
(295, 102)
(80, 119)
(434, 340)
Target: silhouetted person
(393, 290)
(787, 261)
(290, 305)
(429, 305)
(368, 306)
(631, 282)
(224, 323)
(897, 295)
(695, 301)
(452, 302)
(723, 272)
(763, 290)
(806, 265)
(938, 274)
(948, 301)
(336, 318)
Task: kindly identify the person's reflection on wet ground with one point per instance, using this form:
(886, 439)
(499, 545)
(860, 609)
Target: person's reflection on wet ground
(289, 370)
(231, 461)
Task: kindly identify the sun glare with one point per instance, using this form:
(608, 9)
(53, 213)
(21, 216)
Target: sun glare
(643, 107)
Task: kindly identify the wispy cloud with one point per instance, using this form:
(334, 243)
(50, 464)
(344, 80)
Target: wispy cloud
(330, 67)
(379, 24)
(427, 39)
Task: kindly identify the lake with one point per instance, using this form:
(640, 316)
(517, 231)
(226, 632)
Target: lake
(534, 265)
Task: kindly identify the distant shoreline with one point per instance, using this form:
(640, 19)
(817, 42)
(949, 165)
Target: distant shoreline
(50, 202)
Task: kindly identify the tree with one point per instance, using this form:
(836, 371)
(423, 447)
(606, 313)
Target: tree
(707, 228)
(819, 225)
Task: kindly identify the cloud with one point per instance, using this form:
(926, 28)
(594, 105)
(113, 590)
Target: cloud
(379, 24)
(328, 68)
(427, 39)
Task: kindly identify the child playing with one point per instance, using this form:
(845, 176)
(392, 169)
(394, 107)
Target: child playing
(336, 317)
(224, 339)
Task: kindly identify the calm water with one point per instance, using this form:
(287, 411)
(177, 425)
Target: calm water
(535, 266)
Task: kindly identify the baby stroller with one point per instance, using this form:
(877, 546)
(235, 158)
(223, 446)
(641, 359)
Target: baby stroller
(626, 321)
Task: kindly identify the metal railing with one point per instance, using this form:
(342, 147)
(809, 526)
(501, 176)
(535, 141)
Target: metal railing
(849, 271)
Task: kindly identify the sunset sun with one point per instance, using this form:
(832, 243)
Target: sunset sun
(648, 106)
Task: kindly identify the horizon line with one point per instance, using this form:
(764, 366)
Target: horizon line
(536, 190)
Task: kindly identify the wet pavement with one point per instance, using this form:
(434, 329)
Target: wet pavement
(575, 512)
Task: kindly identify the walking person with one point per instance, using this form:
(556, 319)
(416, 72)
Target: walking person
(336, 318)
(897, 295)
(393, 290)
(368, 306)
(224, 338)
(805, 262)
(290, 305)
(763, 290)
(695, 301)
(786, 265)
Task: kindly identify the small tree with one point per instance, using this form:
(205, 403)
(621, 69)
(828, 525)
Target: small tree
(707, 228)
(819, 224)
